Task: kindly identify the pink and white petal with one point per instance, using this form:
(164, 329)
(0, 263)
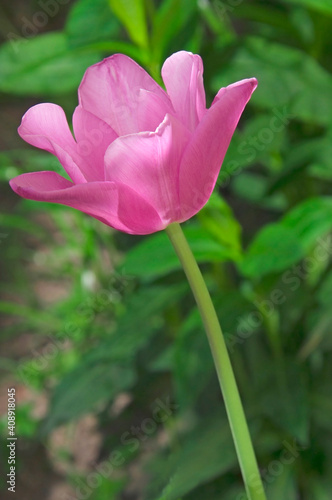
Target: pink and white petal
(114, 205)
(149, 163)
(204, 155)
(93, 137)
(182, 73)
(37, 185)
(45, 126)
(151, 113)
(112, 89)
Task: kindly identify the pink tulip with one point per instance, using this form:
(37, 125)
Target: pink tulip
(141, 158)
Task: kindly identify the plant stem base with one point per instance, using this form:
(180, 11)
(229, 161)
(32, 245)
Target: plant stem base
(229, 389)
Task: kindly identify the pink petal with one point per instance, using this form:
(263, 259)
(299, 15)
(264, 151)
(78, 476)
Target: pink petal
(149, 162)
(204, 155)
(183, 77)
(115, 205)
(45, 126)
(93, 137)
(122, 94)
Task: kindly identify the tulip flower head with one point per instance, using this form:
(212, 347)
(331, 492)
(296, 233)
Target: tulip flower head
(142, 158)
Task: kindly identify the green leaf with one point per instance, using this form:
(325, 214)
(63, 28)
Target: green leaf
(290, 82)
(120, 47)
(283, 396)
(103, 25)
(24, 419)
(192, 368)
(155, 256)
(218, 219)
(171, 16)
(204, 455)
(43, 65)
(20, 161)
(281, 485)
(253, 187)
(264, 14)
(109, 368)
(31, 315)
(141, 320)
(274, 249)
(310, 220)
(132, 15)
(321, 407)
(259, 141)
(319, 338)
(109, 488)
(324, 293)
(90, 384)
(22, 223)
(323, 6)
(314, 155)
(319, 488)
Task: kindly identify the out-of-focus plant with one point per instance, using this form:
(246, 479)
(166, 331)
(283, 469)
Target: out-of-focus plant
(263, 241)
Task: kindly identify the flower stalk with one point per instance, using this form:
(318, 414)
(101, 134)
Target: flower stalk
(229, 389)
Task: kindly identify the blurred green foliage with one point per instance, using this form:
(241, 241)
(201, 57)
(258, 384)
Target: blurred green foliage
(126, 320)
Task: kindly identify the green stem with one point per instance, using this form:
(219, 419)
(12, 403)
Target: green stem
(234, 408)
